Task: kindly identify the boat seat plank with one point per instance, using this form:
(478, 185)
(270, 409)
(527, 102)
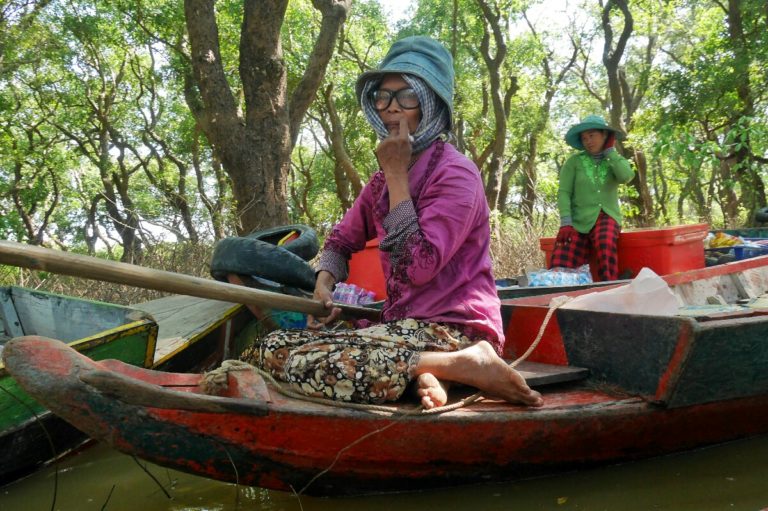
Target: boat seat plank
(180, 318)
(732, 315)
(538, 374)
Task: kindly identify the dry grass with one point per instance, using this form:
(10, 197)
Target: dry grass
(180, 258)
(515, 248)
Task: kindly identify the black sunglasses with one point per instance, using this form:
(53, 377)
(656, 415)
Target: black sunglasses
(406, 98)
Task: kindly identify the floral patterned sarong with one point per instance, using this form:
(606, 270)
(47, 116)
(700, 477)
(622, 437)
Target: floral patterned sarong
(369, 365)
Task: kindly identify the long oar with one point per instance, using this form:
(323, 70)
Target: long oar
(65, 263)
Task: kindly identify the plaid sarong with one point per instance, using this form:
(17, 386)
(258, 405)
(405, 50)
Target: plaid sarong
(602, 240)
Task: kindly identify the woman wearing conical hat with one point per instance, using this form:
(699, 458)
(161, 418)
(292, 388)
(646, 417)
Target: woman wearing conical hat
(588, 199)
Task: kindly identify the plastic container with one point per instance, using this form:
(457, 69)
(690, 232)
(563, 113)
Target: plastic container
(289, 319)
(664, 250)
(365, 270)
(748, 232)
(740, 252)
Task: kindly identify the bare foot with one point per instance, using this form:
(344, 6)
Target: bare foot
(480, 367)
(432, 392)
(491, 374)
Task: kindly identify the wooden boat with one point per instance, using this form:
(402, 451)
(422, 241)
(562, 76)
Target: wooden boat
(712, 350)
(173, 333)
(656, 385)
(197, 334)
(99, 329)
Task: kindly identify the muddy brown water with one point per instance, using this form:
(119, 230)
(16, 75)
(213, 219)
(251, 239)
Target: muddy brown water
(732, 477)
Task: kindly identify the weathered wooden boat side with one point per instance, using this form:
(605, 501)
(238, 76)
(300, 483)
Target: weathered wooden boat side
(102, 330)
(29, 434)
(179, 333)
(726, 358)
(87, 324)
(254, 436)
(675, 361)
(17, 408)
(196, 334)
(632, 352)
(510, 292)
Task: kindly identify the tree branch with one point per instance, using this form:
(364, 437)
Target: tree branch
(334, 14)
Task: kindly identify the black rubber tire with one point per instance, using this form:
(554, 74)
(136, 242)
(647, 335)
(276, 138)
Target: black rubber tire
(762, 215)
(248, 256)
(305, 246)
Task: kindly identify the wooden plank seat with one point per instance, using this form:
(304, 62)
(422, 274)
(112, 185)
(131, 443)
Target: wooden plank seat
(537, 374)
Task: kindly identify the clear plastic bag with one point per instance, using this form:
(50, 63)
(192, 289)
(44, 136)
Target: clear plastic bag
(646, 294)
(560, 276)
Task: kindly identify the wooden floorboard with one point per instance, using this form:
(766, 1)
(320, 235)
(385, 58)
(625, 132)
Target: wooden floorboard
(537, 374)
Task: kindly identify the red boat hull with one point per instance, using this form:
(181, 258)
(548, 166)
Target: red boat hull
(253, 436)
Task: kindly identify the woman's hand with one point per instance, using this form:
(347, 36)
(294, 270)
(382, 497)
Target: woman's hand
(566, 234)
(394, 155)
(324, 293)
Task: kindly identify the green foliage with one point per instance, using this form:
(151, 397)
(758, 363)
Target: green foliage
(96, 95)
(360, 49)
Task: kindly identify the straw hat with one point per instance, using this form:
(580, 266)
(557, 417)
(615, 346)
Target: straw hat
(590, 122)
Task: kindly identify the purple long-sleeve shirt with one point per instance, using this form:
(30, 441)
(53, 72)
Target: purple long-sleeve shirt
(434, 249)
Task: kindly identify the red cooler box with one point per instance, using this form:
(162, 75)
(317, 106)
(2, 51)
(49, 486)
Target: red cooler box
(365, 270)
(664, 250)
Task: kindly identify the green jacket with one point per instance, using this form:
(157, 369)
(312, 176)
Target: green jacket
(586, 188)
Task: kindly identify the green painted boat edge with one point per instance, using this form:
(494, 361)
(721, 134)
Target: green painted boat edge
(133, 343)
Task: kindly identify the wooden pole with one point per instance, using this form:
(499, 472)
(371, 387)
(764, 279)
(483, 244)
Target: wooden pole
(93, 268)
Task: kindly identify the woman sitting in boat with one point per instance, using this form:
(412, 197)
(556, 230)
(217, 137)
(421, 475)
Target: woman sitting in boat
(426, 204)
(588, 199)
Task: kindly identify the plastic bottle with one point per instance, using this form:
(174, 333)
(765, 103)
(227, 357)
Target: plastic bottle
(367, 297)
(344, 293)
